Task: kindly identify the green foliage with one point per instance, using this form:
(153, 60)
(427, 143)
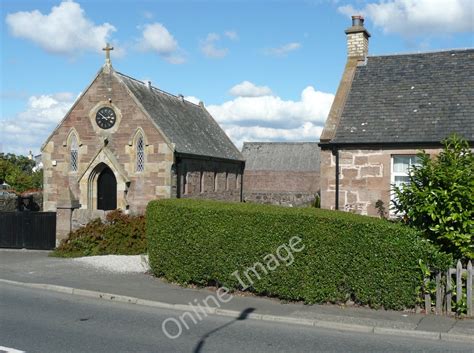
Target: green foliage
(381, 211)
(120, 235)
(346, 257)
(17, 171)
(427, 284)
(317, 201)
(439, 200)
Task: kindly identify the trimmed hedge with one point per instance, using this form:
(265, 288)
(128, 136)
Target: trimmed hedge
(120, 234)
(346, 257)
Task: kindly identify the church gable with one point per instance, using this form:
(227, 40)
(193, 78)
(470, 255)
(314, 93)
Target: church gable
(106, 102)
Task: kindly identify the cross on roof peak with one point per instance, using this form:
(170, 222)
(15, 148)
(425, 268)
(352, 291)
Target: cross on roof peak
(107, 50)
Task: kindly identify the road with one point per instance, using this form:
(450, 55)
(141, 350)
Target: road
(34, 320)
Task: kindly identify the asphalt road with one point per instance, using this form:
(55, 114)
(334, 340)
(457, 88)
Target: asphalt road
(41, 321)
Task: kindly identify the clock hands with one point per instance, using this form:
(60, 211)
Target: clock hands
(106, 118)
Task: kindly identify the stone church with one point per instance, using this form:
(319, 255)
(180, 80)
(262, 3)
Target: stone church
(124, 143)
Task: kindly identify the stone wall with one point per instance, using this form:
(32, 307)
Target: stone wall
(207, 179)
(8, 202)
(290, 199)
(365, 178)
(31, 201)
(287, 188)
(81, 217)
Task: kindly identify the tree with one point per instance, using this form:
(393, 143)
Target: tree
(17, 171)
(439, 200)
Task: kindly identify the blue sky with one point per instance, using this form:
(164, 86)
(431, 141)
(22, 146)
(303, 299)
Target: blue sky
(267, 70)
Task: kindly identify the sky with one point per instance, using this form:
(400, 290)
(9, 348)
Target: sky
(266, 70)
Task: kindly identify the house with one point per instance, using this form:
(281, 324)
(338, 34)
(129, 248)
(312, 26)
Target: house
(281, 173)
(385, 110)
(124, 143)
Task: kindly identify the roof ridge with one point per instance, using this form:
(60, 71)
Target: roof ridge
(280, 142)
(157, 89)
(423, 53)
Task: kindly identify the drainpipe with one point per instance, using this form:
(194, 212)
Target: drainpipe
(336, 153)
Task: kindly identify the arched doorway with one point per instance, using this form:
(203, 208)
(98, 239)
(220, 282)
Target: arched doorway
(106, 190)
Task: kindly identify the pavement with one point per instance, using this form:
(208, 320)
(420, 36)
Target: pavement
(35, 269)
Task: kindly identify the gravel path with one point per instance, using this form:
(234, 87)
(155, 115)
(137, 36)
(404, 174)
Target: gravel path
(117, 263)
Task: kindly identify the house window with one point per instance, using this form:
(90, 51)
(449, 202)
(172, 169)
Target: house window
(227, 180)
(215, 181)
(74, 154)
(140, 154)
(401, 167)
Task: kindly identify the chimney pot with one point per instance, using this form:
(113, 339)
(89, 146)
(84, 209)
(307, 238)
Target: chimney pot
(358, 20)
(148, 83)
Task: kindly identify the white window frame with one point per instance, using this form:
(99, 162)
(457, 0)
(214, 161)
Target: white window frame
(394, 174)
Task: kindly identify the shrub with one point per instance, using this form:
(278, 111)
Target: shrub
(439, 200)
(120, 234)
(346, 256)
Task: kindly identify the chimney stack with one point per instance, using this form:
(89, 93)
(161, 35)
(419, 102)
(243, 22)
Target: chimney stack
(357, 39)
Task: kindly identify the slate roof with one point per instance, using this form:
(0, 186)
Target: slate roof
(281, 156)
(189, 126)
(410, 98)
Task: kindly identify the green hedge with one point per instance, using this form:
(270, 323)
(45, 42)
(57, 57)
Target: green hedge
(345, 256)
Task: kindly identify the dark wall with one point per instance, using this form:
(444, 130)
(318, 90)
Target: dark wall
(209, 179)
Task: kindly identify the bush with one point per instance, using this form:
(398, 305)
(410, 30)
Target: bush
(439, 200)
(346, 256)
(120, 235)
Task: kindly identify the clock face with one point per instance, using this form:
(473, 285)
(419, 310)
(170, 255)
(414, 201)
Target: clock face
(105, 118)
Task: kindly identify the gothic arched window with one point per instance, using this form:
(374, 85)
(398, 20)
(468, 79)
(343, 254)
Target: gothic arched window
(74, 150)
(140, 154)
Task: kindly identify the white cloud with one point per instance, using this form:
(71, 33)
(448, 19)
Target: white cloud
(209, 49)
(270, 118)
(148, 15)
(29, 129)
(413, 17)
(248, 89)
(192, 99)
(157, 38)
(305, 132)
(284, 49)
(232, 35)
(65, 30)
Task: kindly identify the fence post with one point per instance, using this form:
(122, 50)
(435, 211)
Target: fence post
(427, 297)
(470, 311)
(458, 282)
(439, 295)
(448, 292)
